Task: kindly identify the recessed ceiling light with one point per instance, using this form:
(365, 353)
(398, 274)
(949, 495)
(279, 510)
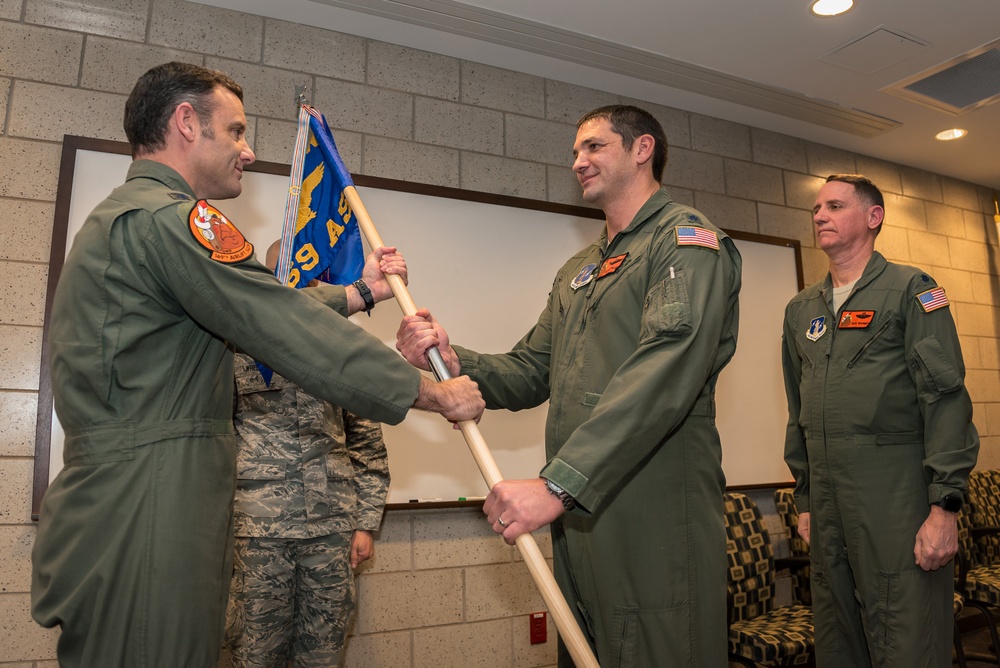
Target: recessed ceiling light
(948, 135)
(831, 7)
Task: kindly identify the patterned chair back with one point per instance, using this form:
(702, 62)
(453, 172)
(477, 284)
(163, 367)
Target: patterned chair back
(784, 501)
(984, 505)
(751, 558)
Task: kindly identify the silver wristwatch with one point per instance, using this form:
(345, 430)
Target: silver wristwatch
(568, 502)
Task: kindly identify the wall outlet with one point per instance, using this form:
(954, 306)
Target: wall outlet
(538, 627)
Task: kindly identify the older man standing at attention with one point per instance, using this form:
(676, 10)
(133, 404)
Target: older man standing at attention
(880, 441)
(134, 548)
(628, 350)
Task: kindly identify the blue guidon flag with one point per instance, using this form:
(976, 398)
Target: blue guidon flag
(689, 235)
(320, 238)
(932, 299)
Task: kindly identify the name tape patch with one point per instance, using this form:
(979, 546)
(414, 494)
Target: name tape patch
(855, 319)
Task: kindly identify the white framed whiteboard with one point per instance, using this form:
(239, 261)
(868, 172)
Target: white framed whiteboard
(483, 264)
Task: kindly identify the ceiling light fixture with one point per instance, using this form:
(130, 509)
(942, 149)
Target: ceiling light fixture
(831, 7)
(953, 133)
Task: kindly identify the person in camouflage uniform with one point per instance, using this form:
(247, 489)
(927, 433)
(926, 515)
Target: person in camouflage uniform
(312, 479)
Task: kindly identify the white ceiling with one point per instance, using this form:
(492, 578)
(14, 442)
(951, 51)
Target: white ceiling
(758, 62)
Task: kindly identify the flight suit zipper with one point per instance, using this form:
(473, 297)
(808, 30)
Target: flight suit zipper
(869, 343)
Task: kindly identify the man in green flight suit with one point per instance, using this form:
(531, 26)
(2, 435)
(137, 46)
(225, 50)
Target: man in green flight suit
(880, 441)
(627, 351)
(134, 547)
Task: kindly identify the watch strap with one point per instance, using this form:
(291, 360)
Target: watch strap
(366, 295)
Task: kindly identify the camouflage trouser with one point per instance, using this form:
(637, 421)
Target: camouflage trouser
(290, 599)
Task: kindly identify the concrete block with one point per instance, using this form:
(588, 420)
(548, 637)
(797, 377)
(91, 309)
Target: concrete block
(360, 108)
(696, 171)
(210, 30)
(532, 139)
(454, 539)
(407, 161)
(32, 168)
(70, 111)
(506, 90)
(826, 160)
(505, 176)
(484, 645)
(122, 19)
(114, 66)
(757, 182)
(714, 135)
(414, 71)
(778, 150)
(36, 53)
(728, 213)
(922, 184)
(567, 103)
(26, 232)
(303, 48)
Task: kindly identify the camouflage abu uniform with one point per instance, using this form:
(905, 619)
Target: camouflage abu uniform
(309, 474)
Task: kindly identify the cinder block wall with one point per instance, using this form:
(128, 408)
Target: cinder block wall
(442, 591)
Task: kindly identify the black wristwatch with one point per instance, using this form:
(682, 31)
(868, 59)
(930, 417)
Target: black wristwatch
(568, 502)
(951, 503)
(366, 294)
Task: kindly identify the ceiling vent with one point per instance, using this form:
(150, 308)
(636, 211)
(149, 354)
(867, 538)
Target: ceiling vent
(957, 86)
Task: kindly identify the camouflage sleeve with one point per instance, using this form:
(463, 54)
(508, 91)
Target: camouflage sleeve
(371, 468)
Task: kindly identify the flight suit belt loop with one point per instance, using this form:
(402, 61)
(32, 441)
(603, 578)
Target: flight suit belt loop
(704, 406)
(117, 441)
(899, 438)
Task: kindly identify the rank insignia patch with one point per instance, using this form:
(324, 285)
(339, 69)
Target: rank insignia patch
(855, 319)
(817, 328)
(180, 197)
(697, 236)
(611, 265)
(932, 300)
(585, 276)
(213, 230)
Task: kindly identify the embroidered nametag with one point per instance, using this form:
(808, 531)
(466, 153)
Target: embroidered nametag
(855, 319)
(611, 265)
(215, 232)
(585, 276)
(817, 328)
(697, 236)
(932, 300)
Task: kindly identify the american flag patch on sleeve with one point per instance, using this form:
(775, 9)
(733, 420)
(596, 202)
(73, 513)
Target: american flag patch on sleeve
(933, 299)
(697, 236)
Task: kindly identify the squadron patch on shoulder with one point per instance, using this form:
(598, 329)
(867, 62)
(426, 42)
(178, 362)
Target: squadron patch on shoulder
(697, 236)
(817, 328)
(933, 299)
(216, 233)
(180, 197)
(611, 265)
(855, 319)
(585, 276)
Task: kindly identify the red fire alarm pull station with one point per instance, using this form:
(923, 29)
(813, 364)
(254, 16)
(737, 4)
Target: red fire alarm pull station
(538, 627)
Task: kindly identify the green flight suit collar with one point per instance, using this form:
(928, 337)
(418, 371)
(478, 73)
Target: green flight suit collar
(876, 265)
(168, 176)
(653, 205)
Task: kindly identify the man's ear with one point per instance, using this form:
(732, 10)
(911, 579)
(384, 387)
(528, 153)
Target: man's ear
(185, 121)
(644, 146)
(876, 215)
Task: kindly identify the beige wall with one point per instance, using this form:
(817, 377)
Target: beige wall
(442, 591)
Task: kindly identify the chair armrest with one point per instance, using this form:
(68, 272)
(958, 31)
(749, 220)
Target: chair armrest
(979, 532)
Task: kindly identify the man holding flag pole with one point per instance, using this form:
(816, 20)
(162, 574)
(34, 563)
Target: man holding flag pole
(134, 546)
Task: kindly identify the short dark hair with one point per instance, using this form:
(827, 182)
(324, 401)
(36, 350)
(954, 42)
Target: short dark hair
(158, 92)
(631, 123)
(863, 187)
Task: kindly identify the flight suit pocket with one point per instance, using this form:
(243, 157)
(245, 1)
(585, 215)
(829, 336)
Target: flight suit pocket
(935, 372)
(642, 636)
(667, 311)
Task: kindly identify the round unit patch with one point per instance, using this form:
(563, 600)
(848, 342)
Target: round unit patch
(215, 232)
